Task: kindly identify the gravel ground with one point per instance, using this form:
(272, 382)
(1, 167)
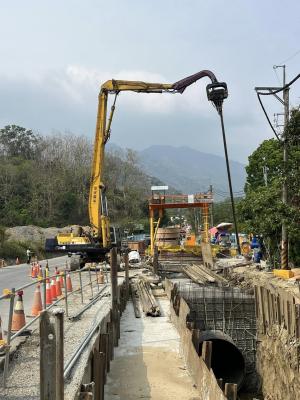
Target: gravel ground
(23, 379)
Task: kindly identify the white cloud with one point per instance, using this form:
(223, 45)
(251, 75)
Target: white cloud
(81, 84)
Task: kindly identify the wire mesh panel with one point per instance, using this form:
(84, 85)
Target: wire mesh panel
(226, 309)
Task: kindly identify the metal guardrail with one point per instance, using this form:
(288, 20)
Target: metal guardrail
(11, 293)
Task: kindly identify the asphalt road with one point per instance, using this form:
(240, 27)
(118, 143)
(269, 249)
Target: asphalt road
(16, 276)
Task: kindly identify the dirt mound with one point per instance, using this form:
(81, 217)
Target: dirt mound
(31, 233)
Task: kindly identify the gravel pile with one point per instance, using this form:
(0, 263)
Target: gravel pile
(31, 233)
(23, 379)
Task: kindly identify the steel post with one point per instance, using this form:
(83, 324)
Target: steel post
(7, 350)
(80, 283)
(59, 341)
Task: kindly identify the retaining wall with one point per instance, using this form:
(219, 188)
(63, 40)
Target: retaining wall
(278, 350)
(203, 377)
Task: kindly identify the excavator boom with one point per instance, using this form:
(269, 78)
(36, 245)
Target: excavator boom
(98, 241)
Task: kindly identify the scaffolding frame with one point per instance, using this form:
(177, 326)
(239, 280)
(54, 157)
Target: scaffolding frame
(159, 202)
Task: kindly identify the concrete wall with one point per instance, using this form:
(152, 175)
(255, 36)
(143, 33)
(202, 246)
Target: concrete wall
(203, 377)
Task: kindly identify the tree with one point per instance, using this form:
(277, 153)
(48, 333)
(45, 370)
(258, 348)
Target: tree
(262, 211)
(16, 141)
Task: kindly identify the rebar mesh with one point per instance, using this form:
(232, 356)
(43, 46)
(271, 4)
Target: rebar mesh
(225, 309)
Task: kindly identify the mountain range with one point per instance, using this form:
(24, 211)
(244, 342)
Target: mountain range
(191, 171)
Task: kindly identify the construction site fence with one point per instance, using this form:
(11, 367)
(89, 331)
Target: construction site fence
(10, 294)
(101, 339)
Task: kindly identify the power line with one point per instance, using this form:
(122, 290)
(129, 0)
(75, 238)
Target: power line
(289, 58)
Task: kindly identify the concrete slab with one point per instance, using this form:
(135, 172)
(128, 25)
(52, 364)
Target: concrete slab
(147, 363)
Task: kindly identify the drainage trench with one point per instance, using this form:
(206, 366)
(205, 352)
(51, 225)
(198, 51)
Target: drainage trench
(226, 317)
(227, 361)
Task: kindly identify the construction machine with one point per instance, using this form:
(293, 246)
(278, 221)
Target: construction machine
(91, 245)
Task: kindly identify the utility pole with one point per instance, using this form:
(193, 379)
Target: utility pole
(285, 102)
(284, 233)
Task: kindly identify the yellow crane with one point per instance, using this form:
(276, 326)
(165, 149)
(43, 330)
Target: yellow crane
(92, 245)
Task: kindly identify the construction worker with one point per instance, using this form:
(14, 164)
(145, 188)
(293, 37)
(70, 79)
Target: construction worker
(28, 254)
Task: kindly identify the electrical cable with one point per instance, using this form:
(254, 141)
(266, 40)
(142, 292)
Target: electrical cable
(281, 89)
(266, 115)
(274, 92)
(289, 58)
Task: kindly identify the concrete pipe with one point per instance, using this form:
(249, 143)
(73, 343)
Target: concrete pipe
(227, 361)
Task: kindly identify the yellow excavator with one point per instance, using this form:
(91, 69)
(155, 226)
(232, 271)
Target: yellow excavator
(91, 245)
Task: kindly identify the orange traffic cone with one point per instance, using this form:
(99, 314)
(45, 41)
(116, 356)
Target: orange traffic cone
(53, 289)
(61, 279)
(18, 320)
(48, 294)
(58, 287)
(101, 277)
(69, 283)
(37, 302)
(33, 271)
(17, 261)
(2, 341)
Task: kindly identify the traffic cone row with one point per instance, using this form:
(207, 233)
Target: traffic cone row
(36, 271)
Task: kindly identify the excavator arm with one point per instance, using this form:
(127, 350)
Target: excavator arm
(92, 246)
(97, 201)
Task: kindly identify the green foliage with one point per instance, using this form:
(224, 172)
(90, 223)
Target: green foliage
(262, 210)
(9, 249)
(45, 181)
(16, 141)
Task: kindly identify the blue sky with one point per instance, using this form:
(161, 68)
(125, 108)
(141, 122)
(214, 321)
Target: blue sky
(55, 55)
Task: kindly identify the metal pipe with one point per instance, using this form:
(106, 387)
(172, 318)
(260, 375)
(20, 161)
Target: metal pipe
(66, 294)
(80, 283)
(81, 347)
(89, 304)
(44, 289)
(91, 284)
(220, 112)
(59, 350)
